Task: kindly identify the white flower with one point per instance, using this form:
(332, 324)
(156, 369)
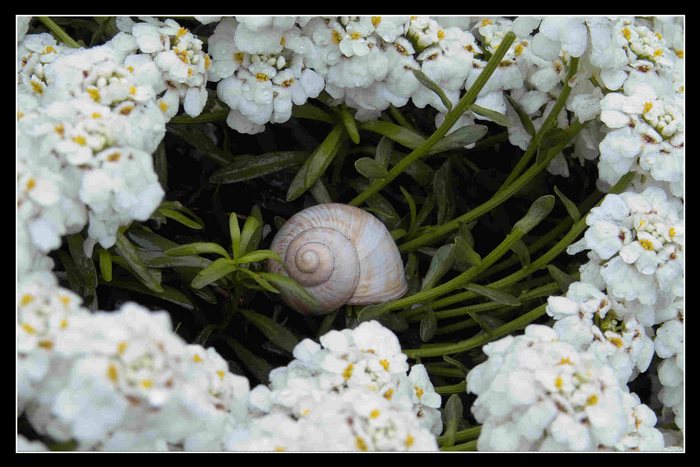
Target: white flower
(574, 400)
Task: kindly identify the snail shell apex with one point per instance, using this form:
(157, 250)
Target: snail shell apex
(341, 255)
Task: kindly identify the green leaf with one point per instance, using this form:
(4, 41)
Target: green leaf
(349, 124)
(257, 366)
(320, 193)
(248, 167)
(459, 138)
(128, 252)
(181, 218)
(384, 149)
(235, 232)
(252, 229)
(464, 253)
(456, 363)
(562, 279)
(548, 140)
(291, 287)
(524, 118)
(538, 211)
(84, 265)
(146, 238)
(311, 112)
(411, 207)
(327, 323)
(443, 191)
(168, 294)
(433, 86)
(498, 296)
(428, 324)
(105, 264)
(275, 332)
(453, 414)
(215, 271)
(198, 248)
(371, 312)
(202, 142)
(496, 117)
(323, 156)
(261, 281)
(571, 208)
(370, 168)
(465, 231)
(160, 165)
(394, 132)
(75, 281)
(394, 322)
(421, 172)
(521, 251)
(259, 255)
(440, 264)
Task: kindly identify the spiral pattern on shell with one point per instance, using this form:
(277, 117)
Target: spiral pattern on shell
(340, 254)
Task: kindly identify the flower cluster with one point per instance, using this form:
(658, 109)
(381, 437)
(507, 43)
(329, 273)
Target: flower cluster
(87, 123)
(537, 392)
(354, 380)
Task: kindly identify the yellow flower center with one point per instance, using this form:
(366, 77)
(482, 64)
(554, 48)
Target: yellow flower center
(558, 382)
(374, 414)
(360, 443)
(221, 373)
(647, 245)
(672, 232)
(287, 83)
(112, 373)
(147, 383)
(63, 324)
(80, 140)
(20, 114)
(121, 347)
(28, 328)
(519, 49)
(130, 68)
(181, 32)
(627, 33)
(26, 299)
(376, 20)
(680, 53)
(419, 392)
(65, 300)
(336, 37)
(658, 35)
(486, 22)
(355, 36)
(207, 61)
(388, 394)
(658, 52)
(96, 115)
(239, 56)
(31, 183)
(384, 363)
(592, 400)
(197, 359)
(261, 77)
(114, 157)
(440, 34)
(94, 93)
(565, 361)
(49, 49)
(46, 344)
(648, 106)
(163, 106)
(60, 129)
(347, 372)
(132, 90)
(37, 87)
(126, 110)
(409, 441)
(616, 341)
(283, 41)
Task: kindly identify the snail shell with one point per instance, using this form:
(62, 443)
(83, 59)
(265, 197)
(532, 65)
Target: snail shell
(341, 255)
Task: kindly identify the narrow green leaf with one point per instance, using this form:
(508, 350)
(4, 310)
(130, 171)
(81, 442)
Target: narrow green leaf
(159, 260)
(204, 335)
(168, 294)
(524, 117)
(394, 322)
(251, 228)
(327, 323)
(549, 139)
(275, 332)
(257, 366)
(105, 264)
(538, 211)
(248, 167)
(235, 232)
(146, 238)
(394, 132)
(411, 207)
(440, 264)
(464, 253)
(259, 255)
(459, 138)
(311, 112)
(521, 251)
(260, 280)
(75, 281)
(412, 274)
(160, 165)
(85, 266)
(215, 271)
(428, 324)
(181, 218)
(371, 312)
(199, 248)
(433, 86)
(291, 287)
(562, 279)
(443, 191)
(202, 142)
(383, 153)
(370, 168)
(465, 231)
(323, 156)
(496, 117)
(128, 252)
(457, 363)
(453, 414)
(495, 295)
(349, 124)
(320, 193)
(296, 187)
(571, 208)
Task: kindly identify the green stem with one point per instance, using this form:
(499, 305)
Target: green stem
(500, 197)
(451, 118)
(548, 123)
(463, 435)
(58, 32)
(452, 389)
(448, 372)
(215, 116)
(478, 340)
(468, 446)
(464, 278)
